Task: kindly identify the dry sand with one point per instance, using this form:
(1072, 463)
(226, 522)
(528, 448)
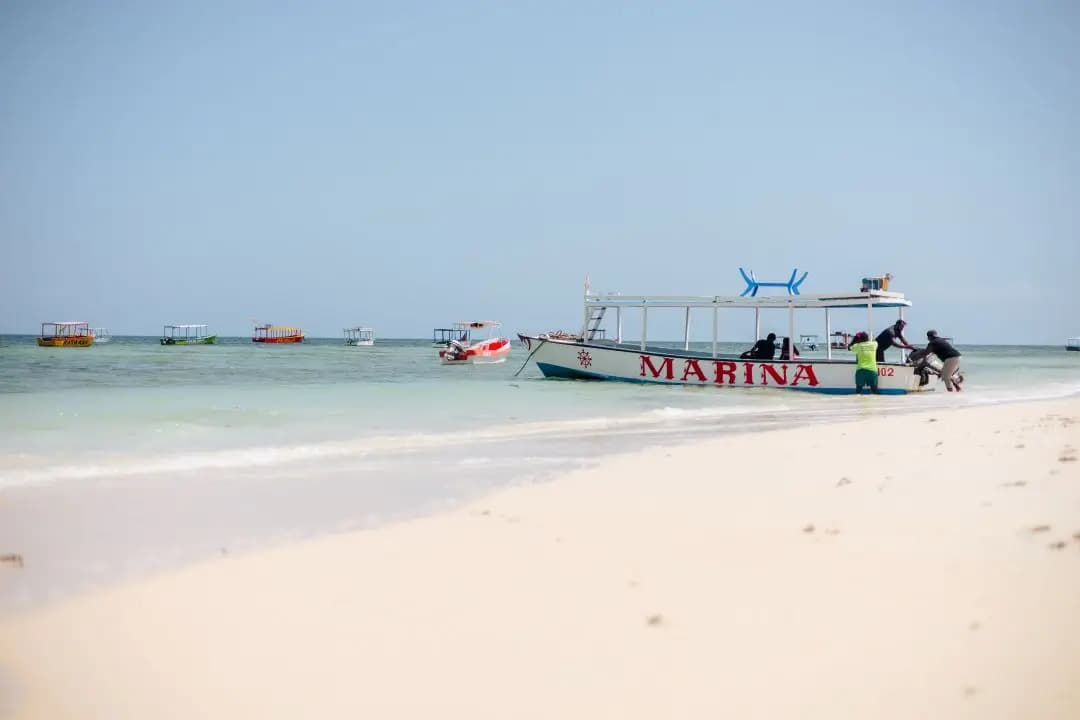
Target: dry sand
(924, 566)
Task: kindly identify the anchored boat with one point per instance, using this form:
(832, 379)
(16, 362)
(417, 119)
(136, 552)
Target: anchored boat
(65, 334)
(277, 334)
(1073, 344)
(101, 335)
(359, 336)
(590, 358)
(187, 335)
(462, 349)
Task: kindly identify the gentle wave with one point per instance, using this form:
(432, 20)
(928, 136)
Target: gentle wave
(23, 470)
(261, 456)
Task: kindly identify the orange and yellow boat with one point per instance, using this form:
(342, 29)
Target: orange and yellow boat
(277, 334)
(65, 334)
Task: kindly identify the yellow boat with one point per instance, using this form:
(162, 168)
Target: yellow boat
(65, 334)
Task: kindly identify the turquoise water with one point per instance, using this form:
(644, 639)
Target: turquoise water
(133, 401)
(129, 456)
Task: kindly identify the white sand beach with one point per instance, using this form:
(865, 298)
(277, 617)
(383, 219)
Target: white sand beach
(915, 566)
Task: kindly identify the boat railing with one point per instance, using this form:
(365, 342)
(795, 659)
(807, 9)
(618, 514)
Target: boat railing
(596, 305)
(66, 329)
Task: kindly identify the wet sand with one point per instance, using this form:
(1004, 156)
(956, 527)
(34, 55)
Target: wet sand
(916, 566)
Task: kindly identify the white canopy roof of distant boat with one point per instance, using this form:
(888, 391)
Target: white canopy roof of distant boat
(477, 324)
(186, 326)
(872, 298)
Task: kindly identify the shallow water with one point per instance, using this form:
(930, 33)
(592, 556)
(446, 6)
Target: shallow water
(128, 457)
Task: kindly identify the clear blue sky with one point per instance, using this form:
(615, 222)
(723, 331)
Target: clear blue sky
(407, 164)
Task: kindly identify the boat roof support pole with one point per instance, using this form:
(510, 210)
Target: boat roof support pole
(715, 322)
(901, 350)
(870, 317)
(828, 335)
(791, 332)
(586, 312)
(686, 330)
(757, 324)
(618, 326)
(644, 325)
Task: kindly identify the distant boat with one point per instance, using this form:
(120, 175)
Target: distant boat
(808, 341)
(1073, 344)
(65, 334)
(840, 340)
(187, 335)
(464, 351)
(277, 334)
(359, 336)
(101, 335)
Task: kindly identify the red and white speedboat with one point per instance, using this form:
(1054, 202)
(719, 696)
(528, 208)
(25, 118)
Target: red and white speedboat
(461, 348)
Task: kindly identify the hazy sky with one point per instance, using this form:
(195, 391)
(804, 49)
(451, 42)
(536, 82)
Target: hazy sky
(406, 164)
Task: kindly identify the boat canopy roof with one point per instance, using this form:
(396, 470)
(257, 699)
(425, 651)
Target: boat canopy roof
(359, 328)
(66, 323)
(277, 328)
(186, 326)
(872, 298)
(474, 324)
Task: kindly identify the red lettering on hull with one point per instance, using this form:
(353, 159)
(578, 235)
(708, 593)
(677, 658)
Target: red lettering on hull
(768, 371)
(805, 372)
(692, 367)
(748, 373)
(665, 367)
(724, 369)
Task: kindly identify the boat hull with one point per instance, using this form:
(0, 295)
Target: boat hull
(590, 361)
(360, 343)
(280, 340)
(78, 341)
(208, 340)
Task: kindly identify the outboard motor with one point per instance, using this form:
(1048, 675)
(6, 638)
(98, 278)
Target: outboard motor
(921, 359)
(455, 350)
(926, 364)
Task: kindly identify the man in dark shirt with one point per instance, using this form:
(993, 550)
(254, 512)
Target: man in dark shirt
(762, 350)
(892, 336)
(949, 356)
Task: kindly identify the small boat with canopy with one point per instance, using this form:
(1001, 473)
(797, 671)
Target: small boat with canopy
(73, 333)
(277, 334)
(101, 335)
(359, 336)
(187, 335)
(463, 349)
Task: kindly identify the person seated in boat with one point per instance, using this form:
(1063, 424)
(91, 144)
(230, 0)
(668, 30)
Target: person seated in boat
(785, 349)
(866, 370)
(892, 336)
(762, 350)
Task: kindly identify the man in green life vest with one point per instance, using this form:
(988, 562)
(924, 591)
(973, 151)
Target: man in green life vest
(865, 351)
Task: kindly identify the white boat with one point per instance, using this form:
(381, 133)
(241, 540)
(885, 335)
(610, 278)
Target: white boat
(101, 335)
(359, 336)
(187, 335)
(463, 349)
(641, 362)
(1073, 344)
